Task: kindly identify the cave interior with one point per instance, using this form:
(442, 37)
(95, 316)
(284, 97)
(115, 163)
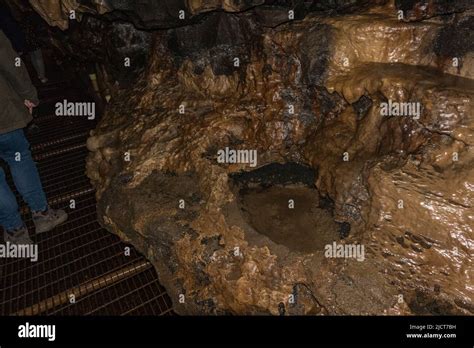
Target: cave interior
(277, 157)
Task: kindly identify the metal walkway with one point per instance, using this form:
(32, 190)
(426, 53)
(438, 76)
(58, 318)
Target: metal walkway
(82, 269)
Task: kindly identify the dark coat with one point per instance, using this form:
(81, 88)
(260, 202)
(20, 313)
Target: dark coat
(15, 87)
(12, 29)
(33, 28)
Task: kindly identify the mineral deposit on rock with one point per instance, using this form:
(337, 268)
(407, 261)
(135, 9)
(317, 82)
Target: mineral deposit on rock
(306, 94)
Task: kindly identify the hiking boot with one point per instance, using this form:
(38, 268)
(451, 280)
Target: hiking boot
(47, 220)
(18, 236)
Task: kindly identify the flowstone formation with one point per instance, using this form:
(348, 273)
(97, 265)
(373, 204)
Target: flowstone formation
(308, 161)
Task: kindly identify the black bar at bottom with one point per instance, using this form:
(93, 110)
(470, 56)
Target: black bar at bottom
(453, 331)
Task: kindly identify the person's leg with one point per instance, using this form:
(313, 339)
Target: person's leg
(38, 63)
(10, 218)
(15, 150)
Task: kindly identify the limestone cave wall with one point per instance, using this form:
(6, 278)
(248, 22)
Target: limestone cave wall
(303, 83)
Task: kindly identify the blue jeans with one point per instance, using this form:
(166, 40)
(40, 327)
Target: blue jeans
(15, 150)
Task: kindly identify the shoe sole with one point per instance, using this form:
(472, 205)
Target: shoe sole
(58, 222)
(13, 242)
(30, 242)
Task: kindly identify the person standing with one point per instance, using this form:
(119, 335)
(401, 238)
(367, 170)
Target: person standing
(18, 97)
(24, 37)
(31, 25)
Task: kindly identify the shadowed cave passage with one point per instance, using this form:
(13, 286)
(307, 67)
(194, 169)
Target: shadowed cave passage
(281, 202)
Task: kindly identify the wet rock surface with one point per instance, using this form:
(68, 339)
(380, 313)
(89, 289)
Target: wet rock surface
(416, 9)
(143, 14)
(312, 91)
(303, 228)
(95, 42)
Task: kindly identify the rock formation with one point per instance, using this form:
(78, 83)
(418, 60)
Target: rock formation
(361, 115)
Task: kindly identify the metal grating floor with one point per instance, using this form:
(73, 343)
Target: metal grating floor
(82, 269)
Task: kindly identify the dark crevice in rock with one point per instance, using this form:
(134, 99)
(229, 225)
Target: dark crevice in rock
(362, 106)
(276, 174)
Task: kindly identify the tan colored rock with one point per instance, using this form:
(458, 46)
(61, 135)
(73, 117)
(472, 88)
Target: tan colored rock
(212, 255)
